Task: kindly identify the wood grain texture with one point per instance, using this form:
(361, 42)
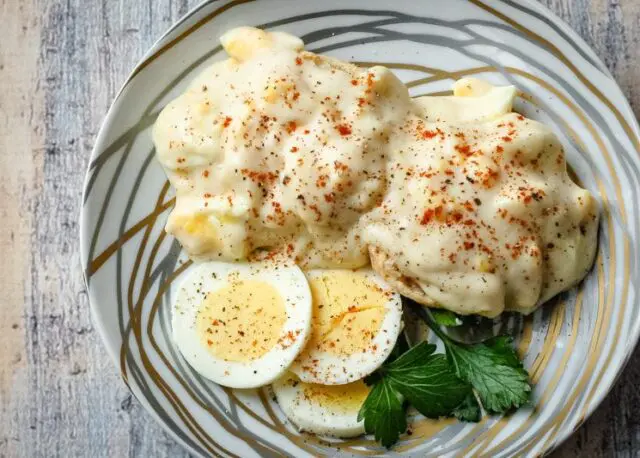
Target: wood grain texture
(61, 63)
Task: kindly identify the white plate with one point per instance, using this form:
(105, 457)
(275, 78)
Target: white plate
(573, 348)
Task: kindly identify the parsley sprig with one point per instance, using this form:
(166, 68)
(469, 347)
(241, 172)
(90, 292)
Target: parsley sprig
(420, 377)
(495, 372)
(439, 385)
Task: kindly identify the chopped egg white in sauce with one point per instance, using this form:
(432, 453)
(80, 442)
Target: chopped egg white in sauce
(455, 201)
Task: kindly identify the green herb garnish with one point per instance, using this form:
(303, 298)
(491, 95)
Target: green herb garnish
(445, 318)
(469, 410)
(492, 368)
(384, 413)
(443, 386)
(424, 379)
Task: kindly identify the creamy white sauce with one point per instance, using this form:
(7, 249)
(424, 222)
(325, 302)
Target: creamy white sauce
(278, 151)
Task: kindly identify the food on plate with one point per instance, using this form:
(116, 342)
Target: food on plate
(322, 409)
(355, 323)
(498, 224)
(315, 193)
(277, 148)
(458, 202)
(242, 325)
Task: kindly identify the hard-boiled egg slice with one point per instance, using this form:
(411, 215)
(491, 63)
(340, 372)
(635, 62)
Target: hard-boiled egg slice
(356, 321)
(322, 409)
(242, 325)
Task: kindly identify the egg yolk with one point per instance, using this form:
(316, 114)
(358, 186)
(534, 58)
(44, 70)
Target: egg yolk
(337, 398)
(241, 321)
(348, 310)
(203, 232)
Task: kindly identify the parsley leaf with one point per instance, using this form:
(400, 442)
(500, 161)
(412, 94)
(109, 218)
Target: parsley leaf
(491, 367)
(411, 358)
(502, 346)
(426, 380)
(384, 413)
(445, 318)
(460, 384)
(494, 370)
(469, 410)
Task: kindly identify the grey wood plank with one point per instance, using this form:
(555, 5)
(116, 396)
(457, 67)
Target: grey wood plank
(61, 395)
(61, 64)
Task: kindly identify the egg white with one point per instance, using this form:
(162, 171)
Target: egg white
(310, 415)
(205, 278)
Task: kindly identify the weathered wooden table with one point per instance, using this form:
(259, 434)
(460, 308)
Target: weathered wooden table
(61, 64)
